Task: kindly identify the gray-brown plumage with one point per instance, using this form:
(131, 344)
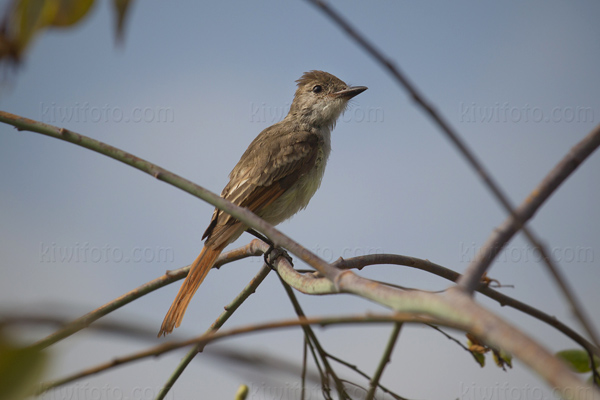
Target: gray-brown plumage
(276, 176)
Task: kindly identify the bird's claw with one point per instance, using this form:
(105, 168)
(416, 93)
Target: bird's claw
(273, 253)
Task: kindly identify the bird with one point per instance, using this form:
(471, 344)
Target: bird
(276, 177)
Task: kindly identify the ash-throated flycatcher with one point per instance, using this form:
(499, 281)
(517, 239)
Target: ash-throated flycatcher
(276, 176)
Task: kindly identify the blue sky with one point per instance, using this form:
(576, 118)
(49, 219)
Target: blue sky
(517, 80)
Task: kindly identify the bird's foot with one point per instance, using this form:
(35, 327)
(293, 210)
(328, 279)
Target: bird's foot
(273, 253)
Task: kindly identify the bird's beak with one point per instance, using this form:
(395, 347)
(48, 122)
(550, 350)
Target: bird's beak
(349, 92)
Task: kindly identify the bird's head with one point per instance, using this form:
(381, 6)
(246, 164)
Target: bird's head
(321, 98)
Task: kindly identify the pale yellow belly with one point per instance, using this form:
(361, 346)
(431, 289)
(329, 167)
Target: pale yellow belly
(297, 196)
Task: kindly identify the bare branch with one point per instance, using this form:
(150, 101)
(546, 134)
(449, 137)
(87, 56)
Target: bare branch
(529, 207)
(504, 300)
(526, 211)
(418, 98)
(385, 359)
(206, 338)
(242, 214)
(453, 308)
(471, 277)
(556, 373)
(170, 277)
(229, 310)
(312, 340)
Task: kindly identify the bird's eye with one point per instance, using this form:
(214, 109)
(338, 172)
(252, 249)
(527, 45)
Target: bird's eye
(317, 89)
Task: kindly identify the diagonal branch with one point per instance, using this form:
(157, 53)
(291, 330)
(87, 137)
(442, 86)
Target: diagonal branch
(556, 373)
(207, 338)
(242, 214)
(530, 206)
(311, 338)
(229, 310)
(385, 359)
(453, 308)
(526, 211)
(504, 300)
(418, 98)
(478, 167)
(170, 277)
(364, 375)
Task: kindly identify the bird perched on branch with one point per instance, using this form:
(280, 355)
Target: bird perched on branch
(276, 177)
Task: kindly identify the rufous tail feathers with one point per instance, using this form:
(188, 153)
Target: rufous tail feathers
(198, 271)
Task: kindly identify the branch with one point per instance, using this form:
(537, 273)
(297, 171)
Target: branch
(242, 214)
(564, 381)
(504, 300)
(170, 277)
(229, 310)
(207, 338)
(418, 98)
(529, 207)
(364, 375)
(312, 340)
(451, 309)
(385, 359)
(473, 278)
(526, 211)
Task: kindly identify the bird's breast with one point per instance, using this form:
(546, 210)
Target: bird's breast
(299, 194)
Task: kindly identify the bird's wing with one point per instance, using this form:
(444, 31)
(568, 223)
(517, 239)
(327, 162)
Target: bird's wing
(267, 169)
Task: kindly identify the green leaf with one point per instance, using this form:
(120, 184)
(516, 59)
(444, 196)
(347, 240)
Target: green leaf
(25, 19)
(242, 392)
(577, 359)
(70, 12)
(502, 358)
(21, 369)
(480, 358)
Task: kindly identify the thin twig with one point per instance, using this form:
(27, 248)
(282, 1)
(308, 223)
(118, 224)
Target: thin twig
(244, 215)
(323, 379)
(474, 319)
(229, 310)
(385, 359)
(170, 277)
(451, 308)
(529, 207)
(310, 335)
(504, 300)
(472, 277)
(206, 338)
(449, 337)
(304, 368)
(366, 376)
(112, 327)
(417, 97)
(455, 341)
(285, 269)
(526, 211)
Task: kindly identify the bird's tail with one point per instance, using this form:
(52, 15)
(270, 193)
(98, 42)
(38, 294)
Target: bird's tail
(198, 272)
